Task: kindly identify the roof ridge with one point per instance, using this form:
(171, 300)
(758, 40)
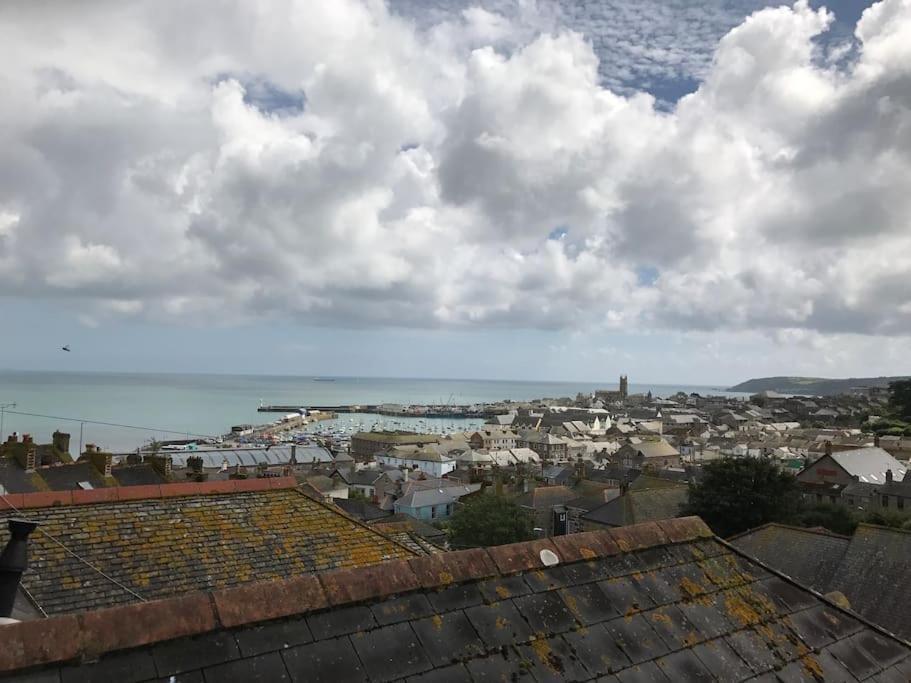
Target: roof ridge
(113, 494)
(138, 624)
(882, 527)
(805, 529)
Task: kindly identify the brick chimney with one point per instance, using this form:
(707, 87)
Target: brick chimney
(61, 441)
(888, 476)
(876, 441)
(828, 448)
(101, 461)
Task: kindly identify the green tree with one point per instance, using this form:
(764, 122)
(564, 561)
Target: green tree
(489, 519)
(736, 494)
(836, 518)
(900, 398)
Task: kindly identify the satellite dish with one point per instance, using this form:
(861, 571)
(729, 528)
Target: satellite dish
(549, 558)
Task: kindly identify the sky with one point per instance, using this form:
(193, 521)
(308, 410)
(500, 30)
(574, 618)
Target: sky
(683, 192)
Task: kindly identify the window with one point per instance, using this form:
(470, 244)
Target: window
(885, 501)
(433, 512)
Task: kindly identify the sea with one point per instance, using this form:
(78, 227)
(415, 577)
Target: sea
(123, 411)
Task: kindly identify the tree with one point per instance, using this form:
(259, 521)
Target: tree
(900, 398)
(736, 494)
(489, 519)
(836, 518)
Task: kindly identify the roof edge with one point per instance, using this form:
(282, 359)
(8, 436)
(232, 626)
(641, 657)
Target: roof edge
(41, 499)
(40, 642)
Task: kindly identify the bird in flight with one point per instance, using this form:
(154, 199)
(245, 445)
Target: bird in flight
(65, 348)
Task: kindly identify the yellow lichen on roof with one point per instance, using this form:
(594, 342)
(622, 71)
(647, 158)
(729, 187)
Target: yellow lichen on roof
(163, 547)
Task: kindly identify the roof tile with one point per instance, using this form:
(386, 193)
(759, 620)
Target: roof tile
(326, 661)
(30, 643)
(462, 565)
(520, 557)
(138, 624)
(266, 600)
(356, 584)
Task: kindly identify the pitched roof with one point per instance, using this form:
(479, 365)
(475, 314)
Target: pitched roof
(873, 575)
(808, 556)
(654, 601)
(633, 507)
(543, 497)
(159, 541)
(869, 464)
(869, 568)
(418, 498)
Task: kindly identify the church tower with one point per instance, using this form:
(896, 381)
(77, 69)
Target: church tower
(624, 387)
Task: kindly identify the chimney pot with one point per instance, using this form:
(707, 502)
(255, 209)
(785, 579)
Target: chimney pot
(14, 561)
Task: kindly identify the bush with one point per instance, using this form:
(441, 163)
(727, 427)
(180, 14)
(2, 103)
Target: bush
(489, 519)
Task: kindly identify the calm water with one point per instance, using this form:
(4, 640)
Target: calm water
(210, 404)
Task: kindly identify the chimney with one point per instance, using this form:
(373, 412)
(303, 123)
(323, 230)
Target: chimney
(828, 448)
(61, 441)
(13, 561)
(293, 454)
(101, 461)
(876, 441)
(888, 476)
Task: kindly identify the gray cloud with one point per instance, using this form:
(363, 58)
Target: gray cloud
(361, 168)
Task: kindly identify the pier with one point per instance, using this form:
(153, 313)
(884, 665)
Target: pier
(439, 411)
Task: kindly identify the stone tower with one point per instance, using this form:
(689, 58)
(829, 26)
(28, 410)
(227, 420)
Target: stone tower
(624, 387)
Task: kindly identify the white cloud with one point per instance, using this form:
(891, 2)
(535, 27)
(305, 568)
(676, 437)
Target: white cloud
(422, 179)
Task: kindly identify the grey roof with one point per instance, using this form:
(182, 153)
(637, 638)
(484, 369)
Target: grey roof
(694, 610)
(14, 479)
(419, 498)
(633, 507)
(250, 457)
(871, 568)
(67, 477)
(137, 475)
(546, 496)
(808, 556)
(361, 509)
(869, 464)
(874, 573)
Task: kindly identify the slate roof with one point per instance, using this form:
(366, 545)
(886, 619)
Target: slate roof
(68, 477)
(137, 475)
(646, 505)
(873, 574)
(543, 497)
(656, 602)
(160, 541)
(418, 498)
(869, 464)
(361, 509)
(808, 556)
(14, 479)
(869, 568)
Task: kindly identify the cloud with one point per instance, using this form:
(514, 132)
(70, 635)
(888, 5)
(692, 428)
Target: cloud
(345, 165)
